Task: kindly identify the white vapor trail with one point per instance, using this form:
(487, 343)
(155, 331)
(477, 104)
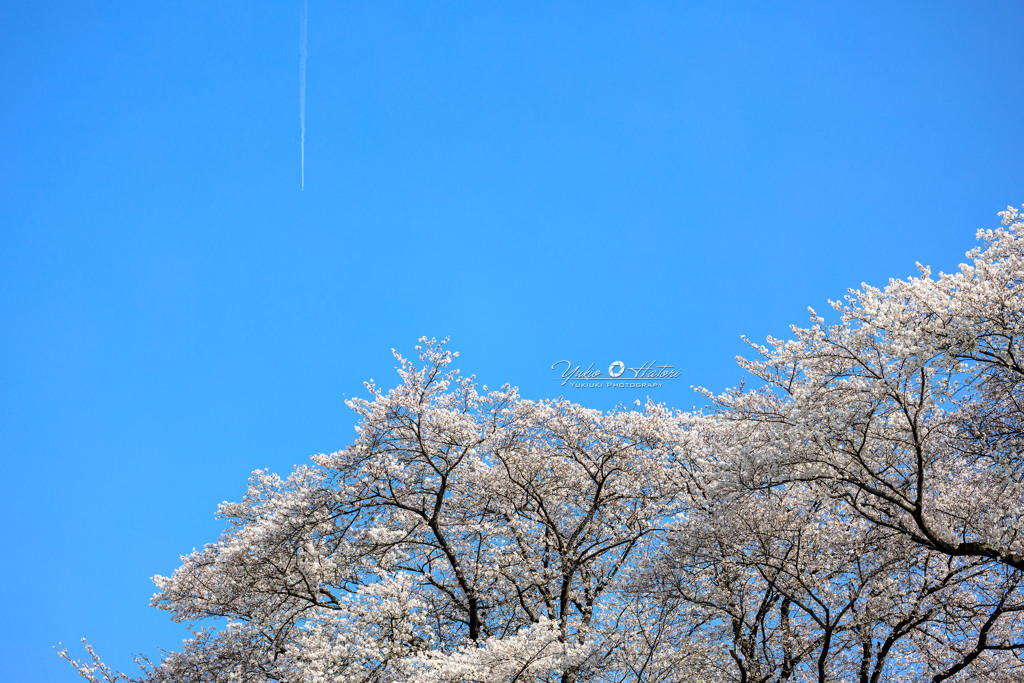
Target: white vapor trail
(302, 87)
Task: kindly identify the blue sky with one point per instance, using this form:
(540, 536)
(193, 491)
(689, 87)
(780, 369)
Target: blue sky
(539, 181)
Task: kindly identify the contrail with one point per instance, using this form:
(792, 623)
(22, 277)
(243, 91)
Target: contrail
(302, 88)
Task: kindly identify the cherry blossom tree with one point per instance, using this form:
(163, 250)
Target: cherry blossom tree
(878, 464)
(909, 408)
(463, 536)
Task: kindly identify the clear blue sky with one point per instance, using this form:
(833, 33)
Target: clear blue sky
(540, 181)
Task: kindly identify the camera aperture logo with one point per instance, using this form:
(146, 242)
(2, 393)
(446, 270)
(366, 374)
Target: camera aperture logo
(650, 375)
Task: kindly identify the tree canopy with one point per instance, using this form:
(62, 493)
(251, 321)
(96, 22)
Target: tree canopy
(854, 514)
